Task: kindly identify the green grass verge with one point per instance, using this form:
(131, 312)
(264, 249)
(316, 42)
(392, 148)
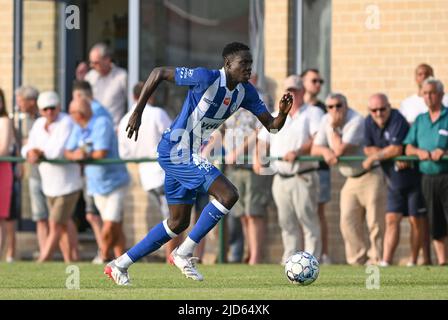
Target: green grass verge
(24, 280)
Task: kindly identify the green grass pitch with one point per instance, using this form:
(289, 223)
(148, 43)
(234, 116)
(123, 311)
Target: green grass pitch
(155, 281)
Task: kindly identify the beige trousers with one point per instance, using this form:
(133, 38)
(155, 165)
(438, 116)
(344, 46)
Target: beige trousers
(296, 201)
(363, 208)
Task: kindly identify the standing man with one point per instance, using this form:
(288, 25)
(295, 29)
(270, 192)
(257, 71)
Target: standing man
(213, 97)
(26, 97)
(312, 82)
(94, 138)
(61, 183)
(108, 81)
(411, 108)
(362, 197)
(428, 140)
(385, 130)
(295, 183)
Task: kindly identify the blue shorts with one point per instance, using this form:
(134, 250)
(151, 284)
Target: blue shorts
(183, 179)
(408, 201)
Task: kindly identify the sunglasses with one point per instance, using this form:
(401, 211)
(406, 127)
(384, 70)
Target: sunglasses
(49, 108)
(314, 81)
(337, 106)
(381, 110)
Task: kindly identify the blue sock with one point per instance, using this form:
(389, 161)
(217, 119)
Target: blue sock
(156, 237)
(210, 216)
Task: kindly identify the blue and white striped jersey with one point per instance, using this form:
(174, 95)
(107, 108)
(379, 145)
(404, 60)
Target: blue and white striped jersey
(208, 104)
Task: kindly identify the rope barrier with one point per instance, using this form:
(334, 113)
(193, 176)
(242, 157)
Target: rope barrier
(213, 159)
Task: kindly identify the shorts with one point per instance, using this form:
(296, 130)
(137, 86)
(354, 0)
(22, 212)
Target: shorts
(62, 207)
(184, 179)
(324, 186)
(254, 191)
(39, 209)
(408, 201)
(435, 192)
(111, 205)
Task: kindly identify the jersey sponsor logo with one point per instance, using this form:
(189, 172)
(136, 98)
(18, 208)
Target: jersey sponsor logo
(185, 73)
(210, 124)
(210, 102)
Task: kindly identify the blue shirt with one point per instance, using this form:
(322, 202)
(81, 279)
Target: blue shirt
(98, 110)
(99, 135)
(393, 133)
(208, 104)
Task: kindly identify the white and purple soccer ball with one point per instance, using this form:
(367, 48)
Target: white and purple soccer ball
(302, 268)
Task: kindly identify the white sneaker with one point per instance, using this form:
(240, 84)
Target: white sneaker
(410, 264)
(383, 263)
(97, 259)
(186, 264)
(119, 275)
(9, 259)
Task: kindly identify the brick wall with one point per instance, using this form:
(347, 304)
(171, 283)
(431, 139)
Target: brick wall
(40, 44)
(376, 46)
(278, 48)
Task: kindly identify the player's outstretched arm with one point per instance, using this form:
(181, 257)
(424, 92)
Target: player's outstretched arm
(272, 124)
(156, 76)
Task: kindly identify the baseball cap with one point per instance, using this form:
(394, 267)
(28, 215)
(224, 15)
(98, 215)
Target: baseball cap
(293, 82)
(48, 99)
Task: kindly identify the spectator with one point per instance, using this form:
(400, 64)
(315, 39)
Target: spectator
(83, 89)
(415, 105)
(26, 97)
(239, 141)
(312, 82)
(295, 183)
(6, 174)
(11, 221)
(428, 140)
(61, 183)
(108, 81)
(385, 130)
(152, 177)
(362, 199)
(94, 138)
(411, 107)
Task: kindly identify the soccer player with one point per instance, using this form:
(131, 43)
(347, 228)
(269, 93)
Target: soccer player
(213, 96)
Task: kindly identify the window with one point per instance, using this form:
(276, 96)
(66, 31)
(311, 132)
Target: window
(188, 33)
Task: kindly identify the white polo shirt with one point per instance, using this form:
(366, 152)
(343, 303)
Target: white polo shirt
(297, 130)
(352, 133)
(110, 91)
(154, 122)
(57, 179)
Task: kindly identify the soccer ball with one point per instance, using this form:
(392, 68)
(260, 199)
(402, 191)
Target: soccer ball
(302, 268)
